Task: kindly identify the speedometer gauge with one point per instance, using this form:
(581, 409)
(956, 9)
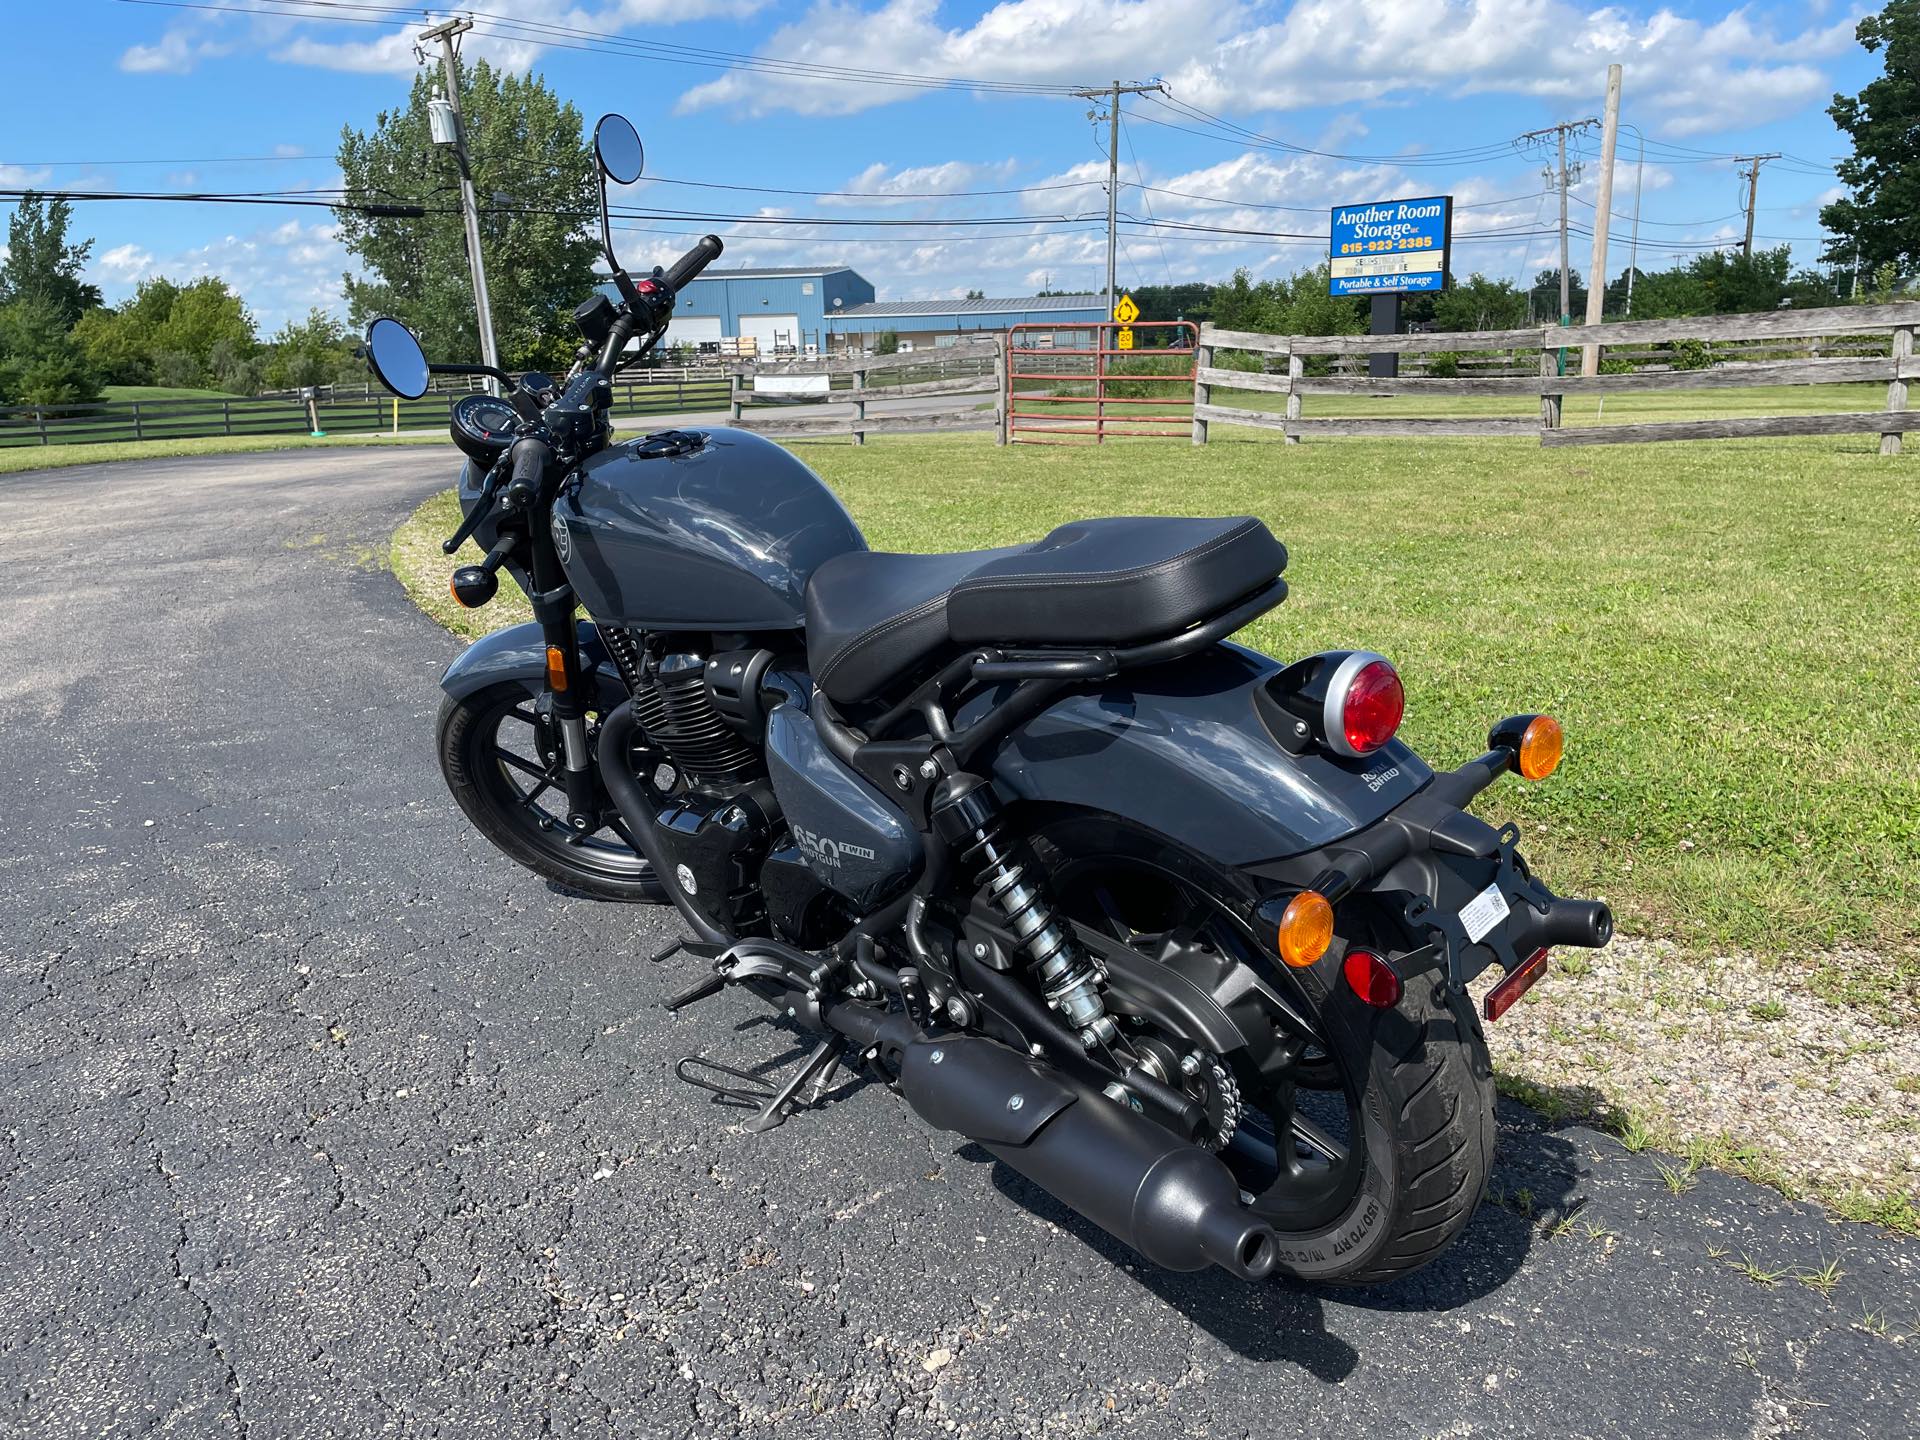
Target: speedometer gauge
(483, 426)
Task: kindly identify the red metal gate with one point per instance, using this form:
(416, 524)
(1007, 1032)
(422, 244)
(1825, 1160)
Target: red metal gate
(1069, 382)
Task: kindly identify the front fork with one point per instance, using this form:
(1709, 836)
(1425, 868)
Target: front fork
(554, 604)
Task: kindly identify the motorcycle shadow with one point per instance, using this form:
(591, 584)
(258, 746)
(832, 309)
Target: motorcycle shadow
(1535, 1178)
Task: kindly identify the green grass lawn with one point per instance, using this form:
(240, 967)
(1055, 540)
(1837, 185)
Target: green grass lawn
(162, 392)
(1730, 633)
(19, 458)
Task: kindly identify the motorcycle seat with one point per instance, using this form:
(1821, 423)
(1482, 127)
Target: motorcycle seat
(874, 617)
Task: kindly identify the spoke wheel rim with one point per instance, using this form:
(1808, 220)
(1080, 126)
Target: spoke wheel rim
(1303, 1185)
(527, 791)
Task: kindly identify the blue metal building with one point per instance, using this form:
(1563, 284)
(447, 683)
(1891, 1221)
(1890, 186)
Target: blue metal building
(781, 307)
(789, 309)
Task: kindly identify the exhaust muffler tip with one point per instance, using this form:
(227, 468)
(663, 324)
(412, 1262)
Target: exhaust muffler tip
(1241, 1247)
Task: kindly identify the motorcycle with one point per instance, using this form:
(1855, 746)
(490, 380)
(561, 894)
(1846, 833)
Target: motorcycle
(1179, 932)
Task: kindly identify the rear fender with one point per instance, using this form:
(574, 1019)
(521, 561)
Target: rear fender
(519, 653)
(1182, 750)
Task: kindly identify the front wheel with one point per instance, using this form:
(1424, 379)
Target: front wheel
(502, 762)
(1364, 1137)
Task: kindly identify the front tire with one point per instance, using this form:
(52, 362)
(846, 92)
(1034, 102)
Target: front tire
(1368, 1143)
(503, 770)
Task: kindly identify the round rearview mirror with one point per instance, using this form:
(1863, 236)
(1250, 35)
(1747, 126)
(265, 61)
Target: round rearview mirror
(396, 359)
(616, 145)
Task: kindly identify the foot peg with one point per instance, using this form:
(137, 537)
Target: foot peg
(747, 1091)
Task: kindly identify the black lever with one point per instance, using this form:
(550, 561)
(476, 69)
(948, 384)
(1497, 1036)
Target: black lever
(479, 512)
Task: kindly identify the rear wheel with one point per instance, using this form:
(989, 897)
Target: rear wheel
(1365, 1137)
(502, 762)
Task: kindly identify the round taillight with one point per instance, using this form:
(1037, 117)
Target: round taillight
(1372, 979)
(1365, 704)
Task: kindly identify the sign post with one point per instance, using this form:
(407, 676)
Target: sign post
(1385, 249)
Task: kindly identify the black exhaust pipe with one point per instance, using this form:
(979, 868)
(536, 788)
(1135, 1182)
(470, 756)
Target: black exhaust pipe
(616, 773)
(1172, 1201)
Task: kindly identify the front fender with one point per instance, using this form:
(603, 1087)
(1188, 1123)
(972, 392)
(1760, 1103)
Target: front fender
(519, 653)
(1181, 749)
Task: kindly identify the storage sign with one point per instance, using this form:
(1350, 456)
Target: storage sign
(1391, 245)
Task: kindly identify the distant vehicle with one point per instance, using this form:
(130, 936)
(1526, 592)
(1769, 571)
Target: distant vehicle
(1178, 931)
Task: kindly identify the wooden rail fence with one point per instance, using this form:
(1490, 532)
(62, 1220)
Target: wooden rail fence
(957, 395)
(1848, 329)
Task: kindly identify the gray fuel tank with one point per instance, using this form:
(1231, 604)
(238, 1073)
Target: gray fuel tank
(720, 537)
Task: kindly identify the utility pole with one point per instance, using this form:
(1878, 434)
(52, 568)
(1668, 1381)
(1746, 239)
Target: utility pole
(1112, 96)
(446, 34)
(1603, 220)
(1753, 164)
(1558, 176)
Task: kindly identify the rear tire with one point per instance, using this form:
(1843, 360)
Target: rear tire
(503, 800)
(1416, 1081)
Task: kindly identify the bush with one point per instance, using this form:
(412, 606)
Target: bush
(1689, 354)
(1611, 366)
(887, 342)
(1443, 365)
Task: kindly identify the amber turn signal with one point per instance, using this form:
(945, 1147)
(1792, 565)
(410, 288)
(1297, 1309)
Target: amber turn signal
(1540, 748)
(556, 669)
(1306, 928)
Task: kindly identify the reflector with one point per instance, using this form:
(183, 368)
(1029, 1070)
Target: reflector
(556, 668)
(1500, 999)
(1372, 979)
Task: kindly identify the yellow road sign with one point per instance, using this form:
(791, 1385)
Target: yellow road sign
(1126, 312)
(1125, 341)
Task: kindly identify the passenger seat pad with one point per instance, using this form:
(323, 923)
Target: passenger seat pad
(1119, 581)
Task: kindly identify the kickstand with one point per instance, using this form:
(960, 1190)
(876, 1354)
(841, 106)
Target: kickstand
(817, 1072)
(770, 1106)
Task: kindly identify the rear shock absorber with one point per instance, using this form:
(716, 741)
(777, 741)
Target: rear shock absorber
(966, 815)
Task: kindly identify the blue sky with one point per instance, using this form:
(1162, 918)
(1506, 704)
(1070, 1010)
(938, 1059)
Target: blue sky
(1275, 112)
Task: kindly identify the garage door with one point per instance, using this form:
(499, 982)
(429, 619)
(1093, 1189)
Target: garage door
(771, 333)
(694, 330)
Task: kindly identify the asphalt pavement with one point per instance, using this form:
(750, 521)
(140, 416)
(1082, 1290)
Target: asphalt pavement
(321, 1118)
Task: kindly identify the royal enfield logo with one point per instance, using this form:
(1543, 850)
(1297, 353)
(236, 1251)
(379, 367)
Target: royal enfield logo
(1376, 778)
(822, 851)
(562, 537)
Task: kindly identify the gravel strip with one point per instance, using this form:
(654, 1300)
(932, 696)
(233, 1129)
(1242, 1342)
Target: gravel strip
(1701, 1049)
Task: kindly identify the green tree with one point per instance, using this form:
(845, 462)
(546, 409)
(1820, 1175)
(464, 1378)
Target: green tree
(40, 363)
(208, 324)
(315, 351)
(525, 145)
(887, 342)
(1478, 303)
(1878, 222)
(42, 263)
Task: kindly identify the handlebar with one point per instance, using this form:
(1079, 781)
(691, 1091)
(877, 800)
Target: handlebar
(531, 457)
(705, 251)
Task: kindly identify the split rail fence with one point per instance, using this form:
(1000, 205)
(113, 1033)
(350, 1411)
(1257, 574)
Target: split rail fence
(1546, 350)
(780, 389)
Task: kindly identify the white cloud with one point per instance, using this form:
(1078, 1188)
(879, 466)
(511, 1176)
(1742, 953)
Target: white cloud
(1691, 76)
(177, 54)
(124, 265)
(337, 45)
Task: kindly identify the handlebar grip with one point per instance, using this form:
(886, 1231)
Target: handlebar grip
(530, 460)
(705, 251)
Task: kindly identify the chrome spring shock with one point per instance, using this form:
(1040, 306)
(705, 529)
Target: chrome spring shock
(967, 816)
